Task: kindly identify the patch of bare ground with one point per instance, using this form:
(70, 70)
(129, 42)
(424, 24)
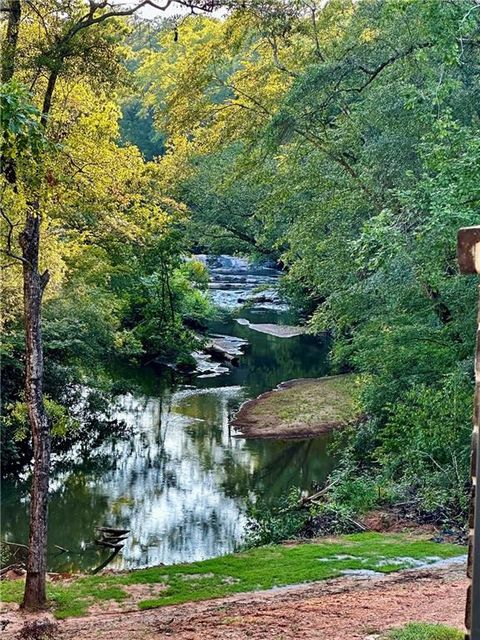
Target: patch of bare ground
(340, 609)
(402, 520)
(136, 593)
(303, 408)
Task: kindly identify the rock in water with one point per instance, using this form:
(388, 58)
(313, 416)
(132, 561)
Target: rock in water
(277, 330)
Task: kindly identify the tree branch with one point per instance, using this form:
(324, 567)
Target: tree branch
(276, 60)
(8, 250)
(373, 73)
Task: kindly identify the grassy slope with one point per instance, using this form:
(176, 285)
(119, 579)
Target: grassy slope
(256, 569)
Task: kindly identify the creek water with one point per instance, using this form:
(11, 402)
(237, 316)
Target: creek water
(180, 480)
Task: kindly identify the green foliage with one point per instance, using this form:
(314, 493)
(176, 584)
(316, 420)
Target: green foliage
(347, 146)
(417, 453)
(357, 493)
(17, 419)
(137, 128)
(271, 523)
(261, 568)
(223, 215)
(426, 445)
(20, 130)
(424, 631)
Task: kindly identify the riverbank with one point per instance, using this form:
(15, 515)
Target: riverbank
(303, 408)
(256, 569)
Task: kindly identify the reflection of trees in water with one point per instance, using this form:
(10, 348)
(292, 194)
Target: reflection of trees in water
(242, 466)
(270, 360)
(163, 490)
(279, 466)
(292, 464)
(93, 424)
(78, 460)
(78, 498)
(74, 511)
(179, 480)
(206, 430)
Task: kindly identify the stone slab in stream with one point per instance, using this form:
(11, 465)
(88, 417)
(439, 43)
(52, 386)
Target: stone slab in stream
(205, 367)
(228, 348)
(277, 330)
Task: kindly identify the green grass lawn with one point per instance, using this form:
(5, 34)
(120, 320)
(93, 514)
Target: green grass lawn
(420, 631)
(256, 569)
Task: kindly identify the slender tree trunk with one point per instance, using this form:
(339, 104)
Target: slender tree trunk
(9, 44)
(47, 100)
(34, 284)
(9, 49)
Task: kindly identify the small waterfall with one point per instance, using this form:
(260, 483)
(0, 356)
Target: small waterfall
(237, 281)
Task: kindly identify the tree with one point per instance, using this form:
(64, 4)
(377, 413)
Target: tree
(75, 40)
(355, 126)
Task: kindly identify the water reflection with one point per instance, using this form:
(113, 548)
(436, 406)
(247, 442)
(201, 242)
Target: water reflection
(179, 483)
(166, 486)
(180, 480)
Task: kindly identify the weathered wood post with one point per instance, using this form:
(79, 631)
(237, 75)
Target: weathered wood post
(468, 253)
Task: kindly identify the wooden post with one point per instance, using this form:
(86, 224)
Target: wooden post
(468, 253)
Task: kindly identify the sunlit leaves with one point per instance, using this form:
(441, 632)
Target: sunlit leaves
(20, 129)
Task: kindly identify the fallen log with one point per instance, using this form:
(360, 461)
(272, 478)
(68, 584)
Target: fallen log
(113, 530)
(359, 525)
(320, 493)
(109, 545)
(16, 568)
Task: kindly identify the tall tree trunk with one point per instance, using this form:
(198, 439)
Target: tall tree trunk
(34, 284)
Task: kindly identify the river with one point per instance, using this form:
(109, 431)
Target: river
(180, 480)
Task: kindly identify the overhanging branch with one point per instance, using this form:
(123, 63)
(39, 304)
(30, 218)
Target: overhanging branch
(8, 250)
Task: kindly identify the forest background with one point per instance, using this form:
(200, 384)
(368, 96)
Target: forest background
(340, 139)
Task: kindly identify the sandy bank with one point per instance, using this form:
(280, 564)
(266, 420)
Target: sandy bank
(302, 408)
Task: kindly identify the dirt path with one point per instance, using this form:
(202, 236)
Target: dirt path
(340, 609)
